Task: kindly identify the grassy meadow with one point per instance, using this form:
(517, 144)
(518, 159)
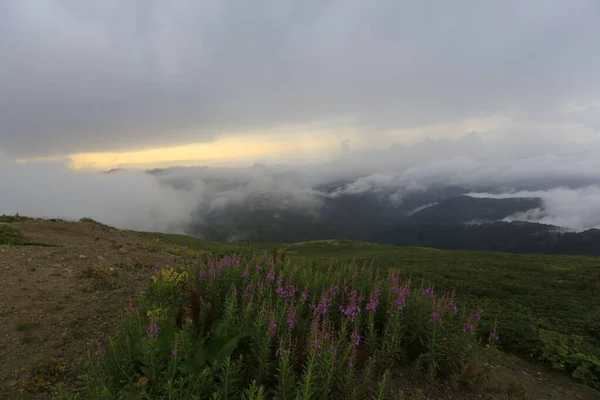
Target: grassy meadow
(255, 325)
(340, 319)
(546, 307)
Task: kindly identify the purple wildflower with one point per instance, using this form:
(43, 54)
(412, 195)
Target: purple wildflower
(153, 330)
(435, 318)
(259, 267)
(468, 328)
(452, 306)
(201, 275)
(334, 289)
(429, 293)
(100, 354)
(353, 309)
(249, 292)
(174, 353)
(493, 337)
(233, 289)
(245, 274)
(315, 345)
(395, 283)
(271, 274)
(355, 338)
(130, 309)
(321, 307)
(374, 300)
(291, 318)
(272, 327)
(304, 295)
(400, 301)
(156, 270)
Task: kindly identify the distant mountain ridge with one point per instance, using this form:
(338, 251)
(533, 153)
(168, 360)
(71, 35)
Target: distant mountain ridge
(436, 215)
(441, 217)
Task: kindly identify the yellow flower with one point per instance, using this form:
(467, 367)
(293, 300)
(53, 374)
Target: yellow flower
(142, 381)
(154, 313)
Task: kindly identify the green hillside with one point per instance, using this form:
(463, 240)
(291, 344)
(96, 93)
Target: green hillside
(542, 302)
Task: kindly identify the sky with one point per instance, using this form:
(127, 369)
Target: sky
(138, 82)
(289, 94)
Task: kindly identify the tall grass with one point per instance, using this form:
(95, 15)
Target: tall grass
(258, 326)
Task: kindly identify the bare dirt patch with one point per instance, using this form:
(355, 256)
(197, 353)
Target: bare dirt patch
(57, 303)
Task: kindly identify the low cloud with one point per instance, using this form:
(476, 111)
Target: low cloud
(564, 174)
(130, 199)
(577, 209)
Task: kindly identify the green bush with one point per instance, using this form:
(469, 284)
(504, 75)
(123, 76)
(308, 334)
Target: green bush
(10, 234)
(13, 218)
(568, 353)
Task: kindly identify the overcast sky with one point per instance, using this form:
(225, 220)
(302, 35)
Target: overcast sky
(389, 94)
(125, 75)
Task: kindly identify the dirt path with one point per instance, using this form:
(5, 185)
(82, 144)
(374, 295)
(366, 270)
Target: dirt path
(58, 303)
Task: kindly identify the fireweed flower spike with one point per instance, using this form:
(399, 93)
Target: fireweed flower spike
(291, 316)
(400, 301)
(493, 337)
(435, 318)
(272, 327)
(153, 330)
(353, 309)
(469, 325)
(452, 306)
(428, 293)
(374, 300)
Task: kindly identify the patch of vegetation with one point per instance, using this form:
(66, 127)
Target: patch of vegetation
(96, 223)
(13, 218)
(193, 243)
(26, 327)
(569, 353)
(44, 377)
(257, 326)
(10, 234)
(102, 277)
(525, 293)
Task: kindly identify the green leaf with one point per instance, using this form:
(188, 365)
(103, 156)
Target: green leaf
(225, 352)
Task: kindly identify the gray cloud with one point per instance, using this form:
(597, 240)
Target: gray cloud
(576, 208)
(564, 173)
(130, 200)
(112, 75)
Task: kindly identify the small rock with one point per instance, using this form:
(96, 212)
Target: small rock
(82, 256)
(100, 258)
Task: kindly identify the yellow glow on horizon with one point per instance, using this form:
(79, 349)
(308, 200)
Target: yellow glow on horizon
(291, 144)
(237, 149)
